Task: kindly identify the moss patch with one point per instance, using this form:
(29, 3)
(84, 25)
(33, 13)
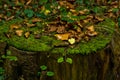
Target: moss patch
(47, 43)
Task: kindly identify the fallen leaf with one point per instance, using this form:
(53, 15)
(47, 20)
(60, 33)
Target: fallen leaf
(61, 29)
(15, 26)
(91, 28)
(86, 38)
(36, 20)
(82, 12)
(86, 20)
(30, 25)
(71, 40)
(19, 32)
(79, 24)
(37, 36)
(99, 18)
(46, 12)
(73, 10)
(7, 35)
(79, 30)
(27, 34)
(62, 36)
(52, 28)
(92, 34)
(28, 2)
(9, 18)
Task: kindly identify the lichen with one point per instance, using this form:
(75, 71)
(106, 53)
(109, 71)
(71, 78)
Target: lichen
(47, 43)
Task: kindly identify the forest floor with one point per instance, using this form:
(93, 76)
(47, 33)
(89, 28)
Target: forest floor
(65, 21)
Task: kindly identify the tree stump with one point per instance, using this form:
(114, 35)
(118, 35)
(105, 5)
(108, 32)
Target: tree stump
(102, 65)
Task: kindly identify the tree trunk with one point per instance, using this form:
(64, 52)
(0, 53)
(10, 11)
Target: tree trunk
(102, 65)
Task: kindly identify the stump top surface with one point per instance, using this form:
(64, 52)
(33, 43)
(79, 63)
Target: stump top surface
(48, 43)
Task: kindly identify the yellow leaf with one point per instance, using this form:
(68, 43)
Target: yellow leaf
(19, 32)
(46, 12)
(27, 34)
(71, 40)
(62, 36)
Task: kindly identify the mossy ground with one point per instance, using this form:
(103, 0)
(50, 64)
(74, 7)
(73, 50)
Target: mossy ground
(47, 43)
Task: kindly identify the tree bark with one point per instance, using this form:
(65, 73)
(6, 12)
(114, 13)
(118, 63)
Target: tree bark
(101, 65)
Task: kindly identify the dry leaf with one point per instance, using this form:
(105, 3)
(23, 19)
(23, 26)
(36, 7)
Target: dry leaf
(36, 20)
(86, 20)
(91, 28)
(9, 18)
(73, 10)
(7, 35)
(86, 38)
(52, 28)
(79, 24)
(37, 36)
(90, 16)
(30, 25)
(28, 2)
(92, 34)
(99, 18)
(71, 40)
(27, 34)
(61, 29)
(62, 36)
(83, 11)
(79, 30)
(19, 32)
(15, 26)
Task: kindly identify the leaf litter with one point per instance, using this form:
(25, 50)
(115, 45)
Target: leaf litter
(69, 24)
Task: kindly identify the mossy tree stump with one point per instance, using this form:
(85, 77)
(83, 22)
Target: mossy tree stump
(101, 64)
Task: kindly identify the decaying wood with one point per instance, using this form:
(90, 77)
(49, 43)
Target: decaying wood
(102, 65)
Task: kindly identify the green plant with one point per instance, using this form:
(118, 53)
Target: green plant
(44, 71)
(9, 56)
(29, 13)
(61, 59)
(2, 73)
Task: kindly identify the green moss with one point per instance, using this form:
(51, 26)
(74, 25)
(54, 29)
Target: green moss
(48, 43)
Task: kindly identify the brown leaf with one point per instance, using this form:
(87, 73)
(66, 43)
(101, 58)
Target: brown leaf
(9, 18)
(79, 30)
(79, 24)
(37, 36)
(28, 2)
(86, 20)
(73, 10)
(61, 29)
(30, 25)
(52, 28)
(62, 36)
(90, 16)
(83, 11)
(27, 34)
(19, 32)
(91, 28)
(36, 20)
(66, 4)
(86, 38)
(15, 26)
(99, 18)
(92, 34)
